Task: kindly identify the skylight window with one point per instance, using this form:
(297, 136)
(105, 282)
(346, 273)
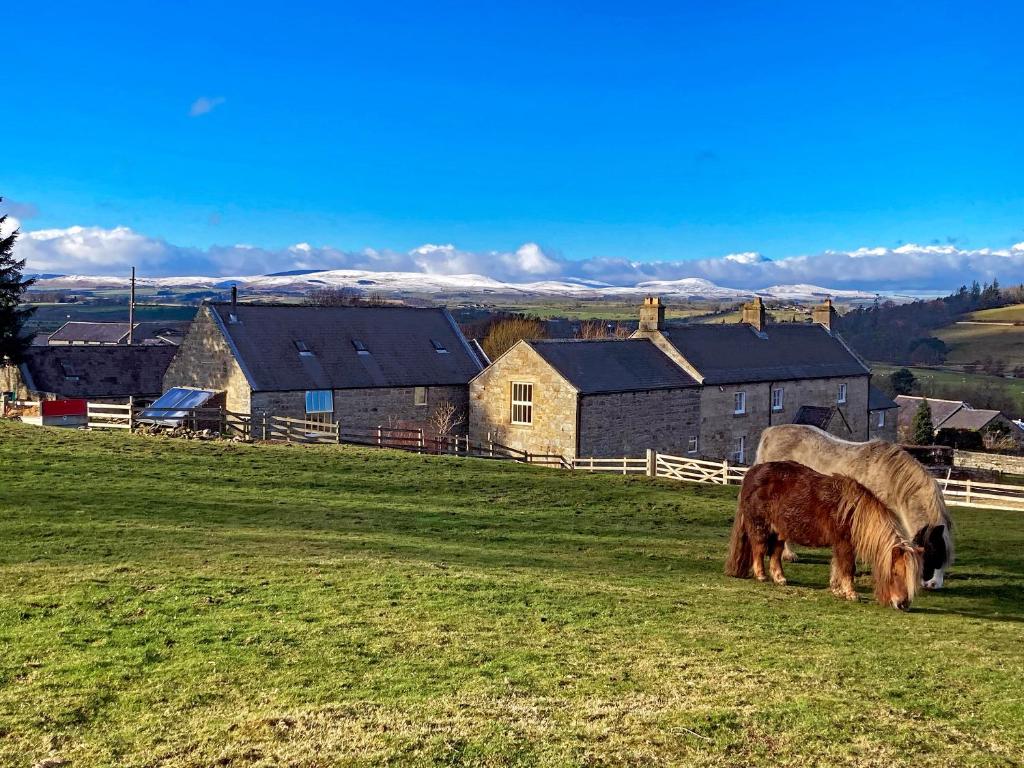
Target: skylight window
(360, 347)
(438, 347)
(304, 351)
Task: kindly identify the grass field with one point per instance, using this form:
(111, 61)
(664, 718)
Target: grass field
(975, 342)
(958, 385)
(167, 603)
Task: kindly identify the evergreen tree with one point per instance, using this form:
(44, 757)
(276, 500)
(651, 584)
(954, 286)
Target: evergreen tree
(13, 339)
(902, 381)
(922, 431)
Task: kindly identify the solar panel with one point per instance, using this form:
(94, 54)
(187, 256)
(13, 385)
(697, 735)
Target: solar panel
(172, 406)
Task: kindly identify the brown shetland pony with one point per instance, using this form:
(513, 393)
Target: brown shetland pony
(784, 501)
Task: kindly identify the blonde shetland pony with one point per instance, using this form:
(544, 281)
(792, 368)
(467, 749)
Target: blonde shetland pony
(784, 501)
(886, 470)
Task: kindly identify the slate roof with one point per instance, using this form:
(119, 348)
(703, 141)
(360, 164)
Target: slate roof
(879, 401)
(814, 415)
(970, 419)
(734, 353)
(399, 342)
(613, 365)
(97, 371)
(941, 409)
(146, 331)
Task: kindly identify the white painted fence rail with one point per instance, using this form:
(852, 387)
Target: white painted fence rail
(109, 416)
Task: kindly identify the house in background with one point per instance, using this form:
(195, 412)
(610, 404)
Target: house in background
(76, 332)
(580, 398)
(361, 367)
(989, 428)
(100, 373)
(883, 416)
(755, 375)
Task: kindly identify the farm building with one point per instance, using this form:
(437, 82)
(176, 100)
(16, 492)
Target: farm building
(576, 398)
(957, 423)
(90, 333)
(361, 367)
(883, 416)
(99, 373)
(754, 375)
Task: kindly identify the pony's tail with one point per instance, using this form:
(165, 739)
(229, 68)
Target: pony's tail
(741, 556)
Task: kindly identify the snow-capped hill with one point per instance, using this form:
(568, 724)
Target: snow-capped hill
(805, 292)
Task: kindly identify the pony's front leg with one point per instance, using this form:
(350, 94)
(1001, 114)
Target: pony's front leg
(844, 568)
(775, 564)
(790, 555)
(758, 549)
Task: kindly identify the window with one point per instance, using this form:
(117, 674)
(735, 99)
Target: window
(304, 351)
(739, 403)
(777, 399)
(740, 455)
(842, 394)
(320, 406)
(360, 347)
(691, 446)
(438, 347)
(419, 396)
(881, 418)
(522, 403)
(70, 372)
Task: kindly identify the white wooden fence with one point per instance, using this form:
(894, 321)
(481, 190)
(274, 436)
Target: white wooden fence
(109, 416)
(961, 493)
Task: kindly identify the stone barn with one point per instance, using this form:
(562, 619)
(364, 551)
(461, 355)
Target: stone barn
(581, 398)
(884, 416)
(362, 367)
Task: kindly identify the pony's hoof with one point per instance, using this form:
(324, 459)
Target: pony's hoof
(762, 579)
(781, 582)
(790, 557)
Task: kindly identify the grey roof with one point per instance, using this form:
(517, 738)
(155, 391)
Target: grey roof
(879, 401)
(399, 342)
(146, 331)
(614, 365)
(97, 371)
(733, 353)
(970, 419)
(941, 409)
(815, 415)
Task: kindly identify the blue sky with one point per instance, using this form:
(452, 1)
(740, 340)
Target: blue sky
(641, 132)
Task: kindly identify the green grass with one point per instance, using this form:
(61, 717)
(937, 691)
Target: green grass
(167, 603)
(974, 343)
(954, 385)
(1011, 314)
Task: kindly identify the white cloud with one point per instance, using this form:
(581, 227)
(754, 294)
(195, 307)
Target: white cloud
(204, 105)
(95, 250)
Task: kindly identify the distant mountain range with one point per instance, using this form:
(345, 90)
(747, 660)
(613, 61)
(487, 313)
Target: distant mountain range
(297, 282)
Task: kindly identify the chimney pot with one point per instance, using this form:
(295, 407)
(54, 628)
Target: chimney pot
(825, 315)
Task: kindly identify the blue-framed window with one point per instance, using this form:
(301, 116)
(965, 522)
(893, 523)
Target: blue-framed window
(319, 401)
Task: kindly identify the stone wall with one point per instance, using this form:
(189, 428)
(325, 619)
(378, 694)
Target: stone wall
(11, 381)
(553, 430)
(204, 360)
(367, 409)
(1013, 465)
(721, 429)
(628, 423)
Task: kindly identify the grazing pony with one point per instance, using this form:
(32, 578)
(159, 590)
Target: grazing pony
(888, 471)
(784, 501)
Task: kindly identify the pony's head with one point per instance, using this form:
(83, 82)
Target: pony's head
(932, 541)
(897, 584)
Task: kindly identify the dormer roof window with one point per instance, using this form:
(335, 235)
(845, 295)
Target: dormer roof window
(438, 347)
(304, 351)
(360, 347)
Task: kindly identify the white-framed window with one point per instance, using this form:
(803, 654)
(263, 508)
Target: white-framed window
(841, 398)
(691, 446)
(522, 402)
(778, 396)
(739, 403)
(419, 396)
(740, 455)
(320, 405)
(881, 418)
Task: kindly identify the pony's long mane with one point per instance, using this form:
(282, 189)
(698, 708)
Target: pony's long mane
(876, 531)
(885, 469)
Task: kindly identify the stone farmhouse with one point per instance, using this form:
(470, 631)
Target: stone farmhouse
(100, 373)
(581, 398)
(361, 367)
(883, 416)
(755, 375)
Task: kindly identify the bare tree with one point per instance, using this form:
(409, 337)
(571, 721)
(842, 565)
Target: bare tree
(592, 329)
(334, 297)
(506, 332)
(445, 418)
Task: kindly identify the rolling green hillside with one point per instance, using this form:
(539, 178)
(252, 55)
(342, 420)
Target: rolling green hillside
(170, 603)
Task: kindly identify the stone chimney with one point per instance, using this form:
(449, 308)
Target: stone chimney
(753, 314)
(652, 314)
(825, 315)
